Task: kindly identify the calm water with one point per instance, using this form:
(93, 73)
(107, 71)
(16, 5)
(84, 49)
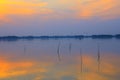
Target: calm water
(63, 59)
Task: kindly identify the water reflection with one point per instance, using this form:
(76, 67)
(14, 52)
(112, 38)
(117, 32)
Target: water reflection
(41, 62)
(70, 47)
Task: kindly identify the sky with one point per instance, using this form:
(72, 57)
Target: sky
(59, 17)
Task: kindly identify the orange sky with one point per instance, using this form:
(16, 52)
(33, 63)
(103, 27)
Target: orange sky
(80, 8)
(45, 14)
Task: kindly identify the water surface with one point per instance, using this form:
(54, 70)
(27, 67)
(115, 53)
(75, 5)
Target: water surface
(62, 59)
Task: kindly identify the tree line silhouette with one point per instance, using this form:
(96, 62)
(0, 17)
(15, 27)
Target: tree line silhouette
(102, 36)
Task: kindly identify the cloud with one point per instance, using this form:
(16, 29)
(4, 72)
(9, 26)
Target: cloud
(19, 8)
(98, 8)
(60, 9)
(87, 9)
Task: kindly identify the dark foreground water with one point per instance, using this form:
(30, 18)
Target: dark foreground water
(63, 59)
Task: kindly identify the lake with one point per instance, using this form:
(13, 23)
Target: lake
(60, 59)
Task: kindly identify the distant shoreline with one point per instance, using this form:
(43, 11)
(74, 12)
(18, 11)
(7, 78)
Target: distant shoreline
(102, 36)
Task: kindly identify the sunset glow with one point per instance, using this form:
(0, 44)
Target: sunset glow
(59, 39)
(79, 8)
(51, 16)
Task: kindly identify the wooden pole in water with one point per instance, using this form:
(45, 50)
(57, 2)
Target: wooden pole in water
(98, 57)
(81, 59)
(81, 63)
(58, 52)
